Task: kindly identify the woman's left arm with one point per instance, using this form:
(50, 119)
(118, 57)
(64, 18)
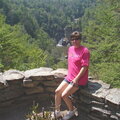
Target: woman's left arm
(84, 64)
(80, 74)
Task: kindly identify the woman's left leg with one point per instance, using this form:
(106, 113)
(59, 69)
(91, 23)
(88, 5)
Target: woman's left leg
(66, 93)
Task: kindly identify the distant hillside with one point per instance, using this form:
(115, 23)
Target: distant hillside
(30, 30)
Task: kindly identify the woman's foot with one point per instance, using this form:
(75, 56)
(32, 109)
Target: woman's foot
(70, 114)
(56, 114)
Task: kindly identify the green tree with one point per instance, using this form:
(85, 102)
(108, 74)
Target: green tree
(101, 31)
(15, 49)
(43, 40)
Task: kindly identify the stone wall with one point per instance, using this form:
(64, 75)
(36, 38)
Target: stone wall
(97, 102)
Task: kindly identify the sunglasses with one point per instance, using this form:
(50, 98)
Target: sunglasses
(72, 39)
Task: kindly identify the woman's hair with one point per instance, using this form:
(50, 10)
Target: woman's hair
(76, 35)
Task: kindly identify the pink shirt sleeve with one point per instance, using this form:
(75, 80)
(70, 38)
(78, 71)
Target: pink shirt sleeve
(85, 58)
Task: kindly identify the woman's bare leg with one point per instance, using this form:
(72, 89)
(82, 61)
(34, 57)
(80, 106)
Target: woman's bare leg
(70, 89)
(58, 93)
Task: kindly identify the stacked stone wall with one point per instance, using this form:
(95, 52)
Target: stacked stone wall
(97, 102)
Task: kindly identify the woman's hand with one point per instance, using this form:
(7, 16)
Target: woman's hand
(80, 74)
(75, 83)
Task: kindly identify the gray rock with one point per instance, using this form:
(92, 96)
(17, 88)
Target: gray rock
(113, 117)
(93, 118)
(97, 104)
(39, 74)
(52, 83)
(42, 76)
(96, 90)
(118, 115)
(6, 103)
(3, 83)
(100, 111)
(28, 83)
(114, 96)
(31, 72)
(83, 108)
(82, 98)
(13, 75)
(59, 80)
(10, 93)
(34, 90)
(100, 94)
(50, 89)
(60, 73)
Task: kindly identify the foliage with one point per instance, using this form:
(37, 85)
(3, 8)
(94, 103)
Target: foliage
(34, 114)
(50, 15)
(16, 51)
(101, 30)
(43, 40)
(29, 30)
(59, 54)
(60, 64)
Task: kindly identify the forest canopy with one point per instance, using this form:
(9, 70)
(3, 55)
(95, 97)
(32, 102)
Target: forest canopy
(30, 30)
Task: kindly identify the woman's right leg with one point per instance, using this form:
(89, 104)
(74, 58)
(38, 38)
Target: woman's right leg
(58, 93)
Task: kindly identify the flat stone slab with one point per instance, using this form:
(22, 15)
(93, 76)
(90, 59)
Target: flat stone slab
(60, 73)
(97, 89)
(41, 70)
(12, 75)
(114, 96)
(3, 83)
(41, 73)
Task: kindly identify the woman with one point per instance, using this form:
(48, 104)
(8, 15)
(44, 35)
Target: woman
(78, 62)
